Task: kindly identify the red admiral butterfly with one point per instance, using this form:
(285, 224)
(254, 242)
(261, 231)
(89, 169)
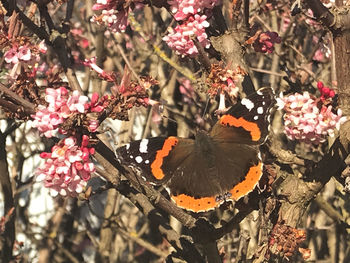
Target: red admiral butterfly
(221, 165)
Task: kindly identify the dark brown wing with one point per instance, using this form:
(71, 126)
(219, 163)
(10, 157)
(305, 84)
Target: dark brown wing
(246, 122)
(195, 176)
(155, 158)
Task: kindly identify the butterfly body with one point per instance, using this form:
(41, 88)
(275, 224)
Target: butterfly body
(204, 172)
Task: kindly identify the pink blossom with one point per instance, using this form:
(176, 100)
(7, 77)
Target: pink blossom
(104, 4)
(116, 21)
(42, 47)
(180, 38)
(46, 122)
(95, 105)
(11, 56)
(194, 24)
(114, 14)
(56, 98)
(15, 54)
(76, 102)
(185, 8)
(305, 121)
(61, 106)
(24, 53)
(266, 41)
(64, 171)
(92, 64)
(93, 125)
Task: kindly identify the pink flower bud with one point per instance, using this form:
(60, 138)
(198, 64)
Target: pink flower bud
(85, 140)
(45, 155)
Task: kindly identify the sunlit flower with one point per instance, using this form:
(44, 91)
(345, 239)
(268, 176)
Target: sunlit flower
(306, 121)
(67, 168)
(61, 106)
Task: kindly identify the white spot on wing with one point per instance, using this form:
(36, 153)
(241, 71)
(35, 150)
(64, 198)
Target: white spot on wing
(143, 146)
(127, 146)
(147, 162)
(247, 103)
(256, 117)
(260, 110)
(168, 190)
(259, 157)
(138, 159)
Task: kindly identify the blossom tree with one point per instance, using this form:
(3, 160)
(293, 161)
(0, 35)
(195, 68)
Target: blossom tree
(80, 79)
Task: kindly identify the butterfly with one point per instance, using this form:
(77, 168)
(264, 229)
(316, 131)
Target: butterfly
(216, 166)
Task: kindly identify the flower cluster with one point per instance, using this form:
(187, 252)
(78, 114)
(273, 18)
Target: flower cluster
(21, 56)
(60, 107)
(180, 38)
(224, 81)
(133, 93)
(326, 92)
(193, 25)
(67, 168)
(182, 9)
(265, 42)
(114, 13)
(308, 121)
(17, 54)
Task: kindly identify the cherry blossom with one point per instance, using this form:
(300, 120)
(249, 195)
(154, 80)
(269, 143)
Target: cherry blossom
(67, 168)
(306, 121)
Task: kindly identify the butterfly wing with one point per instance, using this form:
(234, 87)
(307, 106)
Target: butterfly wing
(193, 185)
(247, 121)
(155, 158)
(239, 166)
(200, 185)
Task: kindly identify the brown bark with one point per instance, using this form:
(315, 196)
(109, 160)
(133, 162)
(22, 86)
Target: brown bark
(7, 238)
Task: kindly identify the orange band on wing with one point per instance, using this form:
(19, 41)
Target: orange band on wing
(251, 127)
(248, 184)
(194, 204)
(158, 161)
